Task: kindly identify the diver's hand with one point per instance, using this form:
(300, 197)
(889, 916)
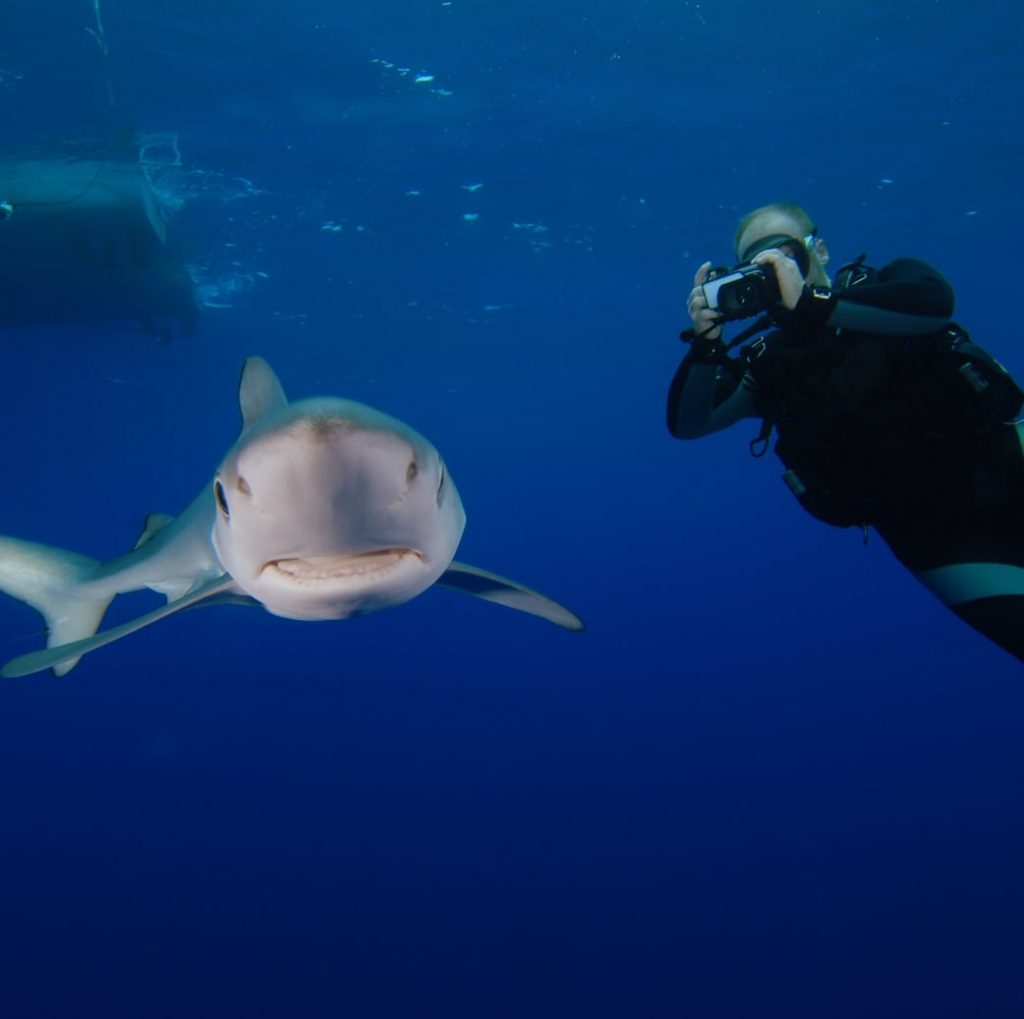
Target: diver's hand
(787, 273)
(705, 321)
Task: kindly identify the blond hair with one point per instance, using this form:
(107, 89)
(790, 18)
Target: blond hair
(797, 213)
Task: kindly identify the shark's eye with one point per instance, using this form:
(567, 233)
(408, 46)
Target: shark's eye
(222, 499)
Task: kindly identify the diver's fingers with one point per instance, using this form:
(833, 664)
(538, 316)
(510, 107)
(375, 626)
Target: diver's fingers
(696, 302)
(787, 273)
(706, 323)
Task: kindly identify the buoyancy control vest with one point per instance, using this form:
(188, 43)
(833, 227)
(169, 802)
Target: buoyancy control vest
(870, 423)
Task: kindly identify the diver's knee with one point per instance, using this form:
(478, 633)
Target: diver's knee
(960, 583)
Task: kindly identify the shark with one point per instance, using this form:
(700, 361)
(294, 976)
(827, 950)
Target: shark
(323, 509)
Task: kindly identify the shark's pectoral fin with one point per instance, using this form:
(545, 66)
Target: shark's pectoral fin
(491, 587)
(37, 661)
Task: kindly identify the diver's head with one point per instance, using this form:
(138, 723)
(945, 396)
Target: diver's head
(790, 229)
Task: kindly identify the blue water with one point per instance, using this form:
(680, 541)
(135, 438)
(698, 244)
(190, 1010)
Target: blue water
(775, 778)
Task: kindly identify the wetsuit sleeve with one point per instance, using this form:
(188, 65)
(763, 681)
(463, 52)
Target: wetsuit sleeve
(705, 398)
(905, 297)
(907, 285)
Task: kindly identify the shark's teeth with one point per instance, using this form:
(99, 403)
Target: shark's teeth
(336, 567)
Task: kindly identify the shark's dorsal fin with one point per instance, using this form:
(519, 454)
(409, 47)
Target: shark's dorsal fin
(154, 522)
(259, 392)
(491, 587)
(37, 661)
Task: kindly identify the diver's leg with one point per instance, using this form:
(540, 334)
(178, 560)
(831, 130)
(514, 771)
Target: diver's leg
(988, 596)
(972, 558)
(999, 619)
(977, 573)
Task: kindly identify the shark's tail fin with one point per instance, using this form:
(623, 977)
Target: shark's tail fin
(52, 581)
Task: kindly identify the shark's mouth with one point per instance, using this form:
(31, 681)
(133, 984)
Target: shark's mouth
(316, 569)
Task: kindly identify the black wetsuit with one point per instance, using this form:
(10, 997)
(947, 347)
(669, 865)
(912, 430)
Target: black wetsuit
(886, 416)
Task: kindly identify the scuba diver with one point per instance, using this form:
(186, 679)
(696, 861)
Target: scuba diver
(886, 413)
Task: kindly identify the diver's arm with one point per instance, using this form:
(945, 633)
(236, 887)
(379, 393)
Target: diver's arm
(907, 285)
(705, 395)
(705, 398)
(906, 297)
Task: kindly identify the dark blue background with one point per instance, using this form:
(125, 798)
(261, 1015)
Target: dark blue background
(774, 778)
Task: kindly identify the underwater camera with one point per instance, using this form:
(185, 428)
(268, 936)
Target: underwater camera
(741, 292)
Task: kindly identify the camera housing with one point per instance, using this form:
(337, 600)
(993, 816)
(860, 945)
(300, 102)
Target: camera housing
(741, 292)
